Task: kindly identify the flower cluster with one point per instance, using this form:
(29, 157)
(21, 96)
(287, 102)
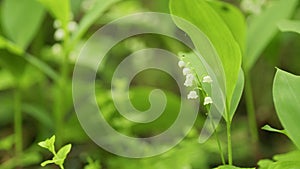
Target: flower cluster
(60, 34)
(190, 79)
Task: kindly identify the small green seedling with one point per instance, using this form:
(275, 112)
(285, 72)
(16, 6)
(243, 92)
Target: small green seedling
(92, 164)
(59, 157)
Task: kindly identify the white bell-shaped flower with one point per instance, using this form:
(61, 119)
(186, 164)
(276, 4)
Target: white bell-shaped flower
(59, 34)
(207, 100)
(192, 95)
(181, 64)
(207, 79)
(186, 71)
(189, 80)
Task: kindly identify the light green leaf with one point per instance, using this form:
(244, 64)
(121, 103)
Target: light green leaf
(282, 161)
(289, 26)
(209, 21)
(62, 154)
(230, 167)
(285, 165)
(237, 94)
(269, 128)
(48, 144)
(59, 9)
(265, 163)
(291, 156)
(286, 92)
(21, 20)
(43, 164)
(263, 27)
(234, 19)
(99, 8)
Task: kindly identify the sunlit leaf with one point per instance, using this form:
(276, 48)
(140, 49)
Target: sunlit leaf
(206, 16)
(289, 26)
(48, 144)
(237, 94)
(286, 92)
(62, 154)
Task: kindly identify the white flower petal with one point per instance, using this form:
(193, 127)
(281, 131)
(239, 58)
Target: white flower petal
(57, 24)
(56, 49)
(192, 95)
(207, 100)
(181, 64)
(59, 34)
(186, 71)
(207, 79)
(72, 26)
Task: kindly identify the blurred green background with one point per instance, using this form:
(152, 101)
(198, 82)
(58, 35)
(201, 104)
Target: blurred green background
(31, 57)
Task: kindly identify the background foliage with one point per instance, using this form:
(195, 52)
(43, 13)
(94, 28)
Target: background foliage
(36, 69)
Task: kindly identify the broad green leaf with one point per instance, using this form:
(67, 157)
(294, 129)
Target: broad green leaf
(289, 26)
(263, 27)
(6, 44)
(48, 144)
(285, 165)
(14, 59)
(291, 156)
(203, 16)
(286, 92)
(99, 8)
(21, 20)
(237, 94)
(289, 160)
(269, 128)
(59, 9)
(62, 154)
(234, 19)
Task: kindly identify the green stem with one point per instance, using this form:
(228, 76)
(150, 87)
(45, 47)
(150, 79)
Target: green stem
(18, 123)
(218, 140)
(250, 109)
(228, 126)
(61, 94)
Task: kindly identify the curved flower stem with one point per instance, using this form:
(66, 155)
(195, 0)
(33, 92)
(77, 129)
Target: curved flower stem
(60, 97)
(250, 109)
(218, 140)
